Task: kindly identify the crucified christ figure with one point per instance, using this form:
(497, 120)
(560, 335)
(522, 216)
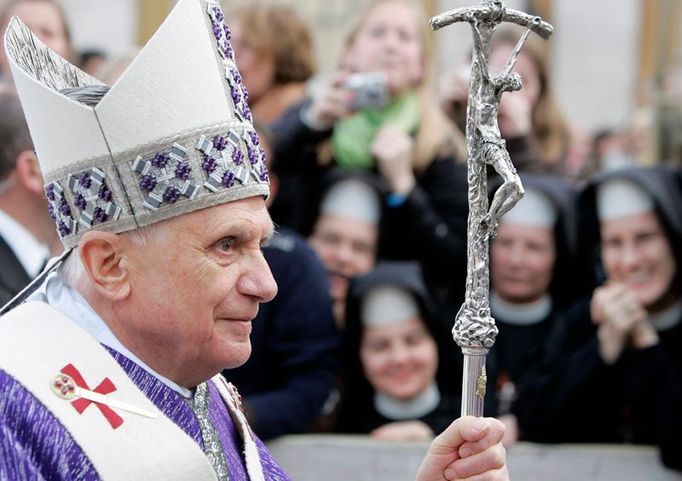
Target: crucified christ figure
(492, 147)
(474, 329)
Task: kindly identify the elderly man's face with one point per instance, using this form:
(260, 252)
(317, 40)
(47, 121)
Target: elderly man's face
(195, 291)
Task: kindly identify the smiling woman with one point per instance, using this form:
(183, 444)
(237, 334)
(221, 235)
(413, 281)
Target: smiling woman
(399, 378)
(622, 351)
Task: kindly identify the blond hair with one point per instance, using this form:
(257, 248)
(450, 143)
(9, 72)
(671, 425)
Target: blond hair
(436, 135)
(277, 30)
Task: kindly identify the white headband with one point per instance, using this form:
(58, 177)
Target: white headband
(354, 199)
(621, 198)
(534, 209)
(388, 305)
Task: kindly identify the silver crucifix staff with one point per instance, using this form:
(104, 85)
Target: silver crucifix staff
(474, 329)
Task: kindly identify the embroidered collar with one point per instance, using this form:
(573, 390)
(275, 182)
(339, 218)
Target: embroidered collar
(59, 295)
(520, 314)
(415, 408)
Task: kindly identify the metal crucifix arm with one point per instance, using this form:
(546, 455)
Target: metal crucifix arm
(488, 13)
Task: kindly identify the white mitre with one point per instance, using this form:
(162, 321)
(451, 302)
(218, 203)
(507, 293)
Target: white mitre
(171, 136)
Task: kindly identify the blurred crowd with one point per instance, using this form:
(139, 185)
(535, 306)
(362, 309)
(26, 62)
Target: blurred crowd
(369, 193)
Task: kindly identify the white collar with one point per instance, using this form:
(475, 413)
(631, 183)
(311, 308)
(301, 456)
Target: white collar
(55, 292)
(520, 314)
(667, 318)
(419, 406)
(30, 253)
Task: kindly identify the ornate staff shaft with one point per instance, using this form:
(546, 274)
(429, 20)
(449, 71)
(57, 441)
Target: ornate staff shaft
(474, 329)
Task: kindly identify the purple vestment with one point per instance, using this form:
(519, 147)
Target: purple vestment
(35, 446)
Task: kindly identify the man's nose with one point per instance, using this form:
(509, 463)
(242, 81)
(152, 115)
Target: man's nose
(257, 281)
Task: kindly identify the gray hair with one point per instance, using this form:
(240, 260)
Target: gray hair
(72, 270)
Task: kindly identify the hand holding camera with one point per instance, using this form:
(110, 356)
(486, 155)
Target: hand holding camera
(346, 94)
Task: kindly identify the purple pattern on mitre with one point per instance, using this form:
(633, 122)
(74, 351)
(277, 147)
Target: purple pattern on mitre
(237, 157)
(64, 208)
(49, 192)
(105, 193)
(80, 202)
(228, 179)
(171, 195)
(220, 31)
(209, 164)
(164, 177)
(182, 171)
(59, 209)
(254, 137)
(219, 142)
(100, 215)
(85, 180)
(63, 229)
(160, 160)
(92, 197)
(223, 161)
(148, 182)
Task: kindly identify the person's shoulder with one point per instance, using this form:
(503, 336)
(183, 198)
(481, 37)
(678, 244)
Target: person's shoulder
(286, 240)
(289, 251)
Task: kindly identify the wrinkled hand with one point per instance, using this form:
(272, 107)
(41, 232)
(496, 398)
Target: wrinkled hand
(621, 319)
(470, 448)
(393, 150)
(330, 104)
(403, 431)
(516, 115)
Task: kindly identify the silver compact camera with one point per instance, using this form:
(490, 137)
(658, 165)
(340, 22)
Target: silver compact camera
(369, 90)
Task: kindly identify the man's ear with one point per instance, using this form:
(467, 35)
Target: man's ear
(101, 256)
(28, 170)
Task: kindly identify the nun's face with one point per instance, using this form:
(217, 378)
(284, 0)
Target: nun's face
(636, 252)
(400, 360)
(522, 260)
(347, 249)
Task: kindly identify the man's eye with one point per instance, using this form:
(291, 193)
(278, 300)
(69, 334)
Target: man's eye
(226, 244)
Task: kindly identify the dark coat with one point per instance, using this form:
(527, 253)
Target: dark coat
(13, 276)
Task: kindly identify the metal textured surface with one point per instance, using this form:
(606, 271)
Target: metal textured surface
(474, 329)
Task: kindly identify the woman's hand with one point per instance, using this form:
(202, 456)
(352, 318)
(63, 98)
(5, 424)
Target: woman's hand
(621, 319)
(329, 105)
(393, 151)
